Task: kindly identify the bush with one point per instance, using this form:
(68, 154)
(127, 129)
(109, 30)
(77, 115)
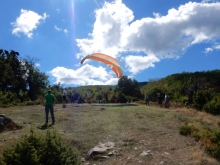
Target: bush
(37, 102)
(29, 103)
(112, 98)
(7, 98)
(122, 98)
(185, 130)
(40, 150)
(214, 147)
(213, 106)
(200, 98)
(219, 123)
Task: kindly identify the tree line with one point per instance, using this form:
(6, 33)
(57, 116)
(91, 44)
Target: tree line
(199, 90)
(19, 78)
(22, 82)
(126, 90)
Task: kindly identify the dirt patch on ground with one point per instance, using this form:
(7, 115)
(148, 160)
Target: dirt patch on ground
(9, 125)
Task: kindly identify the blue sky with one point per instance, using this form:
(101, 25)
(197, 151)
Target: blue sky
(150, 38)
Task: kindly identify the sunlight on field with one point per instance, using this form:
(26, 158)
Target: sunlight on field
(133, 129)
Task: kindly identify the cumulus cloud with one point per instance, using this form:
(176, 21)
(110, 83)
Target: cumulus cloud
(108, 27)
(86, 75)
(116, 32)
(27, 22)
(141, 43)
(139, 63)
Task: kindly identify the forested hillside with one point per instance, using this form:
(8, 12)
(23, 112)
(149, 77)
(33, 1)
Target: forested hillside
(200, 90)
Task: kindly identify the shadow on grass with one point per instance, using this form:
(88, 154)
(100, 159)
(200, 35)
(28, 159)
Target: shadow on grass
(115, 104)
(43, 127)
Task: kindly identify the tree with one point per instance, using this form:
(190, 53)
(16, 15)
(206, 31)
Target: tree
(105, 95)
(125, 85)
(49, 149)
(129, 87)
(77, 97)
(2, 68)
(35, 79)
(121, 97)
(12, 72)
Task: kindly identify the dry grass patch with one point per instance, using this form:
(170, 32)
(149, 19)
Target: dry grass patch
(135, 130)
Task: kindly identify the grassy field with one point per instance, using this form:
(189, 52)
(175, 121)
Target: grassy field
(135, 129)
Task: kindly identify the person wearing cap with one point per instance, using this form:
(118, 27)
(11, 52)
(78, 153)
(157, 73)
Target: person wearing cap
(49, 104)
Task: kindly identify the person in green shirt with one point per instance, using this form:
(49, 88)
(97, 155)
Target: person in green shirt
(50, 102)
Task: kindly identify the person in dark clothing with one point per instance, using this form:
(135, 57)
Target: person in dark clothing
(159, 100)
(147, 99)
(72, 98)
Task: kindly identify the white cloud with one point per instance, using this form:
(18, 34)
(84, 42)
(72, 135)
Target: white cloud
(108, 27)
(56, 28)
(27, 22)
(208, 50)
(217, 47)
(59, 29)
(156, 15)
(144, 42)
(172, 34)
(116, 32)
(37, 65)
(65, 31)
(139, 63)
(85, 75)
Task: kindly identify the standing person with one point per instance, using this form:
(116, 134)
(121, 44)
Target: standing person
(147, 99)
(64, 98)
(72, 98)
(50, 102)
(166, 100)
(159, 100)
(88, 97)
(100, 99)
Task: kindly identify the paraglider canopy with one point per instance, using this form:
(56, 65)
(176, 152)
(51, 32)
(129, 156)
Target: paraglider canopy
(106, 59)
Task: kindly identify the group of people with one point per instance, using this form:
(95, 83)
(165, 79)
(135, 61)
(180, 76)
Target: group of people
(49, 101)
(159, 100)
